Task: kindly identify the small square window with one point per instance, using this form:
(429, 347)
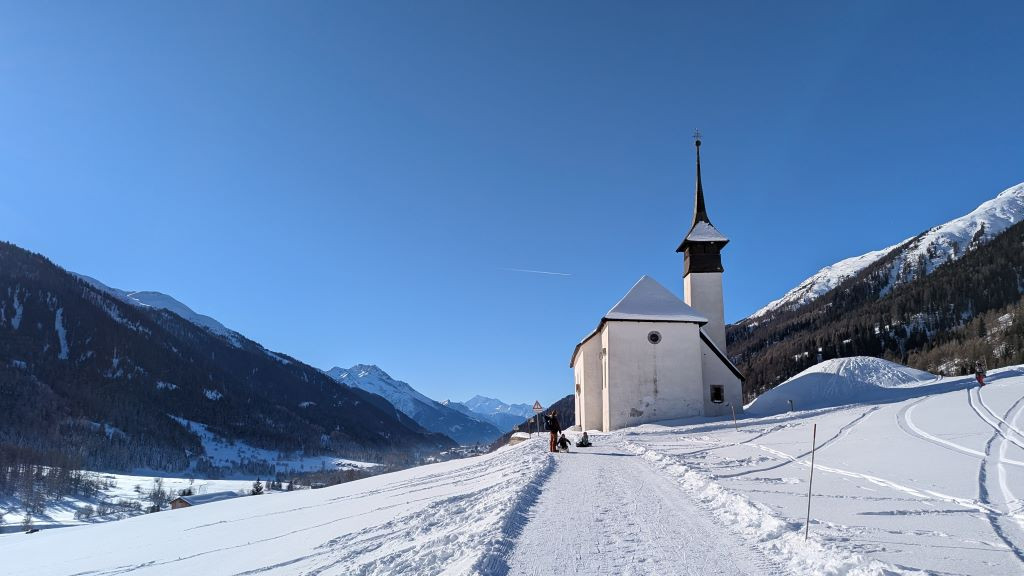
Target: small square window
(717, 394)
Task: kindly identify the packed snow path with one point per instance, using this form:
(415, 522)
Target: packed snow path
(605, 510)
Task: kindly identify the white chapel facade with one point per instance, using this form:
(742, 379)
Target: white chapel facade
(655, 357)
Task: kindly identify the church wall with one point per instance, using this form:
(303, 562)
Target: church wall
(605, 398)
(649, 382)
(717, 373)
(703, 291)
(589, 386)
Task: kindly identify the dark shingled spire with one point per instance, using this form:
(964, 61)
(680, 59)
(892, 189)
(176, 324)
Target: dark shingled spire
(703, 242)
(700, 213)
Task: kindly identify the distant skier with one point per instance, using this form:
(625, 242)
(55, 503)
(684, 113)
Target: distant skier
(979, 373)
(563, 444)
(584, 442)
(554, 427)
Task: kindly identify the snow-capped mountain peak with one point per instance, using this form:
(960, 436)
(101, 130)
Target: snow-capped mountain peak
(916, 256)
(485, 405)
(372, 379)
(434, 416)
(160, 301)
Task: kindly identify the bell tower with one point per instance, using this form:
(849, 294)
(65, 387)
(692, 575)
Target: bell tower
(702, 265)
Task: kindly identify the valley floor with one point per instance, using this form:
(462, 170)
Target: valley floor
(929, 484)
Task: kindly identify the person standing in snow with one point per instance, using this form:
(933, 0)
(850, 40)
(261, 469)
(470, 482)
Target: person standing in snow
(979, 372)
(554, 427)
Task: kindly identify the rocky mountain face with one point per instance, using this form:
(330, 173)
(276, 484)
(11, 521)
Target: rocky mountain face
(917, 305)
(84, 373)
(430, 414)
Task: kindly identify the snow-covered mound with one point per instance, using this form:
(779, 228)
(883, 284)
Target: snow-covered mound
(838, 382)
(915, 257)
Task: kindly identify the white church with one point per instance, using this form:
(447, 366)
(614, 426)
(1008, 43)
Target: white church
(655, 357)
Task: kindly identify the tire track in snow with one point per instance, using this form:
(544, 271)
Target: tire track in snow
(1009, 532)
(843, 431)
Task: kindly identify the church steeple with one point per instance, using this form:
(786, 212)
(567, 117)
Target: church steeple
(702, 268)
(703, 242)
(700, 213)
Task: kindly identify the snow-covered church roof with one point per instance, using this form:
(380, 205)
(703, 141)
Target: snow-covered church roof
(704, 232)
(650, 301)
(646, 301)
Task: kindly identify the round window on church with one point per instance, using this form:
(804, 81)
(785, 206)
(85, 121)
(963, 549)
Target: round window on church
(654, 337)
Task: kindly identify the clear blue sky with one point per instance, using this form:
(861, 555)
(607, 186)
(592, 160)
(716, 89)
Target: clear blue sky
(351, 182)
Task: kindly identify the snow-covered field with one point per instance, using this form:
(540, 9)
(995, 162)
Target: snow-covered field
(115, 487)
(922, 477)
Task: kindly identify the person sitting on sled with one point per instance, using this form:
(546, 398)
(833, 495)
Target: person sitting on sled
(584, 442)
(563, 444)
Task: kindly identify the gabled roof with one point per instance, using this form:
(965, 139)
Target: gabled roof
(649, 301)
(646, 301)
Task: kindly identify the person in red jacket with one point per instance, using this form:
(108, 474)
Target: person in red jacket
(979, 372)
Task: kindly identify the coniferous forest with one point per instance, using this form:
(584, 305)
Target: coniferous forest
(966, 310)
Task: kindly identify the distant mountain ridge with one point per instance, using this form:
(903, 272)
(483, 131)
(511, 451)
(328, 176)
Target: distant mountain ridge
(87, 375)
(915, 257)
(162, 301)
(432, 415)
(502, 415)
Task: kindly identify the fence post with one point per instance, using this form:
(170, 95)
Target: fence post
(810, 483)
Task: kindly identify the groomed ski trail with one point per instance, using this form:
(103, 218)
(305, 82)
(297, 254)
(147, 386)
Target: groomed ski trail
(605, 510)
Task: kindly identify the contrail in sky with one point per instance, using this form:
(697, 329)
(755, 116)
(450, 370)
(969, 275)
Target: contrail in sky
(535, 271)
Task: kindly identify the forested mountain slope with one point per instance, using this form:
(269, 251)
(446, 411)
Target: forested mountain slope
(86, 375)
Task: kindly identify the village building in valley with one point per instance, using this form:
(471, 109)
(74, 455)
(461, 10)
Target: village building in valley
(655, 357)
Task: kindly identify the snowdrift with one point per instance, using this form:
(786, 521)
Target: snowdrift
(842, 381)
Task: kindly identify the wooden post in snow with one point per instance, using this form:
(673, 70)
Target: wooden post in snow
(810, 483)
(734, 425)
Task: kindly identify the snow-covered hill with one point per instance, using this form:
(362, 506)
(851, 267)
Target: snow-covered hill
(428, 413)
(925, 485)
(842, 381)
(915, 256)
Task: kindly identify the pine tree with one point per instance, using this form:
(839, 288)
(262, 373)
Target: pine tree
(257, 488)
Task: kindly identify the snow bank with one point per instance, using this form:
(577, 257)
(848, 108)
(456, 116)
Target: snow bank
(841, 381)
(454, 518)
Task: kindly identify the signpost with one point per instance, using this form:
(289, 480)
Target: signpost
(537, 409)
